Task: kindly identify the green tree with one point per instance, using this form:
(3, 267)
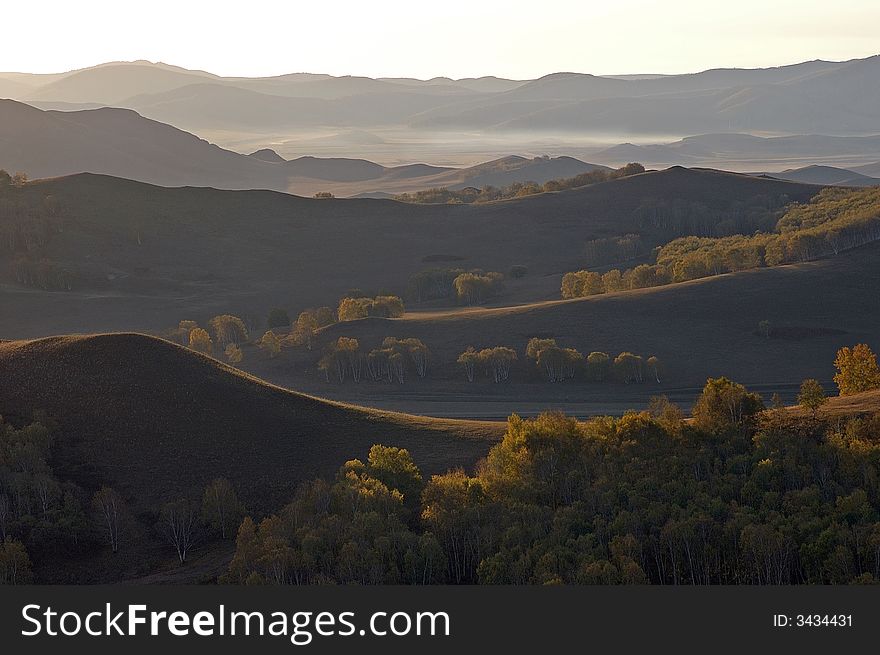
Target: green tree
(812, 396)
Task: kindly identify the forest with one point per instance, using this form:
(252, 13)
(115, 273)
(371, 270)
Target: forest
(835, 220)
(739, 494)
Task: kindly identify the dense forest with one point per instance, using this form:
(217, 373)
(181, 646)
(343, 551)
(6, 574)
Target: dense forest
(739, 494)
(835, 220)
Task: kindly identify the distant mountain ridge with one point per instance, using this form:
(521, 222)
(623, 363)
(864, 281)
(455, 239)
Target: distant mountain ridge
(810, 97)
(121, 143)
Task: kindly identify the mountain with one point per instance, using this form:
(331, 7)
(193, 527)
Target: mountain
(827, 175)
(837, 98)
(818, 97)
(122, 143)
(746, 151)
(869, 169)
(113, 83)
(269, 155)
(143, 257)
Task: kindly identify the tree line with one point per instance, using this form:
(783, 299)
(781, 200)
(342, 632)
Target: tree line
(392, 361)
(468, 195)
(26, 228)
(740, 494)
(467, 287)
(835, 220)
(45, 518)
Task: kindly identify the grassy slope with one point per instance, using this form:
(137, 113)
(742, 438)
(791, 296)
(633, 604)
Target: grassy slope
(156, 421)
(152, 256)
(698, 329)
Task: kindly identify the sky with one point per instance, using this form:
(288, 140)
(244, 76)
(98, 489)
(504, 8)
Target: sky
(454, 38)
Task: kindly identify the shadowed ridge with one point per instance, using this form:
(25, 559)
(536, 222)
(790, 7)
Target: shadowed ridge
(157, 420)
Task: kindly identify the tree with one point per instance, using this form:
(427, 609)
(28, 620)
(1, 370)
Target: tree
(581, 283)
(857, 370)
(723, 404)
(629, 368)
(654, 367)
(19, 179)
(221, 508)
(233, 354)
(179, 522)
(598, 366)
(278, 318)
(110, 507)
(812, 396)
(352, 309)
(200, 341)
(498, 361)
(395, 468)
(304, 329)
(15, 564)
(474, 288)
(469, 360)
(270, 344)
(228, 329)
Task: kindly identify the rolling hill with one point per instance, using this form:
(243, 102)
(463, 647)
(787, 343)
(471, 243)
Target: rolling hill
(122, 143)
(827, 175)
(746, 152)
(157, 421)
(698, 329)
(144, 257)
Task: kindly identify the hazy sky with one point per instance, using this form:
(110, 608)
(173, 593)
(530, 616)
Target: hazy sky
(457, 38)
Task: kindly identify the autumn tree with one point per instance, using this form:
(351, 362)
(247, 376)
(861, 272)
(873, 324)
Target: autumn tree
(342, 357)
(469, 360)
(598, 366)
(812, 396)
(723, 404)
(498, 361)
(475, 288)
(200, 341)
(629, 368)
(228, 329)
(233, 354)
(109, 508)
(270, 343)
(581, 283)
(221, 508)
(857, 370)
(351, 309)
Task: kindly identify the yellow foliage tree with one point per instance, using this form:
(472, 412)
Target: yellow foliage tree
(200, 341)
(857, 370)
